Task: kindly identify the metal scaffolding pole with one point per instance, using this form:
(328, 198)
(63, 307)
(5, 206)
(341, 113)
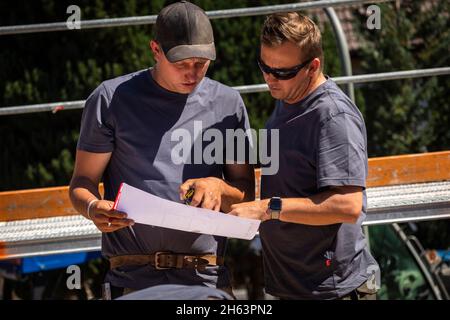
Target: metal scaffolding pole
(216, 14)
(70, 105)
(344, 52)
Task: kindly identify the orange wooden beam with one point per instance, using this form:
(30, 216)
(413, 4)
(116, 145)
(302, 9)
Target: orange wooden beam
(404, 169)
(412, 168)
(384, 171)
(26, 204)
(36, 203)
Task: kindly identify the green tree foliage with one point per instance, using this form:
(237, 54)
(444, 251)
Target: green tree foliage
(409, 115)
(38, 149)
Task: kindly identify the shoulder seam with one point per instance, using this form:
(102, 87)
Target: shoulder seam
(329, 117)
(106, 92)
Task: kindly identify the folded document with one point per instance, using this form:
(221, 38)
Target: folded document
(146, 208)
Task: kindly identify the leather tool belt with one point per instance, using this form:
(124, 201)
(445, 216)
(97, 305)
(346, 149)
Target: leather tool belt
(163, 260)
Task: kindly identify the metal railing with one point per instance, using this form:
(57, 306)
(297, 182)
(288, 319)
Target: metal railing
(79, 104)
(216, 14)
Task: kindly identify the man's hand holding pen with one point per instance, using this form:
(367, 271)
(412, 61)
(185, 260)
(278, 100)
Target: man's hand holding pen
(203, 192)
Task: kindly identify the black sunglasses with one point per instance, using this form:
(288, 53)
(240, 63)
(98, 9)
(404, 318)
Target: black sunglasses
(282, 73)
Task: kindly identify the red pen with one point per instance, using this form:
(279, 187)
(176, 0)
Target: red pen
(116, 202)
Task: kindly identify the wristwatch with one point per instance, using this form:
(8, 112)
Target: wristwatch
(274, 208)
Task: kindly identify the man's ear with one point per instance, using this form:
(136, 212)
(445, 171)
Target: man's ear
(314, 66)
(154, 46)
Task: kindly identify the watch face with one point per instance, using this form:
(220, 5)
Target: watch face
(275, 215)
(275, 204)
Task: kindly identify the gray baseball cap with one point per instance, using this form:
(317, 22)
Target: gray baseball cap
(184, 31)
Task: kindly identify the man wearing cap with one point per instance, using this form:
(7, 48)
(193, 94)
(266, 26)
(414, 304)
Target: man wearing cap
(313, 207)
(127, 136)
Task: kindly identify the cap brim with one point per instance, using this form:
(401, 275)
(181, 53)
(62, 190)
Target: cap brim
(207, 51)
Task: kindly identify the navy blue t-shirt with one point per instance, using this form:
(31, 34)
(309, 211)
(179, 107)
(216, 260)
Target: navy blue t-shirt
(322, 143)
(134, 118)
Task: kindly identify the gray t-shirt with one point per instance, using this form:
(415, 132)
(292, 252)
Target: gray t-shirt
(322, 143)
(133, 117)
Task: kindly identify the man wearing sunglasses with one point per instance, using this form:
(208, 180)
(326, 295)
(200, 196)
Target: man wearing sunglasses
(313, 207)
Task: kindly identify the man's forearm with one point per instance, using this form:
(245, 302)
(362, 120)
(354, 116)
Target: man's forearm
(81, 191)
(324, 208)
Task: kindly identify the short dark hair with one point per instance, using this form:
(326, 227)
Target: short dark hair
(294, 27)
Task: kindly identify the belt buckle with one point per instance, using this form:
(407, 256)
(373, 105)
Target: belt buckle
(157, 260)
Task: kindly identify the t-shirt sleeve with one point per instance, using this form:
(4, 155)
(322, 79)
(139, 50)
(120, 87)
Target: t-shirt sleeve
(97, 125)
(341, 152)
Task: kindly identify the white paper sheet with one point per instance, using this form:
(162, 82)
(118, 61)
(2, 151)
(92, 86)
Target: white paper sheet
(146, 208)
